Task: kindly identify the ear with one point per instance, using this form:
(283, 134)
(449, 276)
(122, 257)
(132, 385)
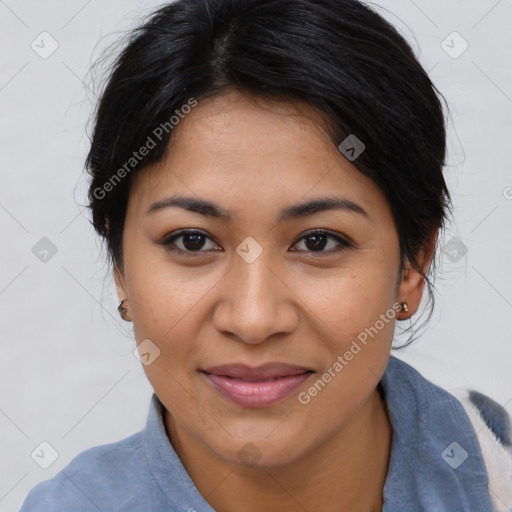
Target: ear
(122, 294)
(412, 284)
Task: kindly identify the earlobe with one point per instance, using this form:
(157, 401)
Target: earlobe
(410, 292)
(123, 310)
(121, 294)
(413, 283)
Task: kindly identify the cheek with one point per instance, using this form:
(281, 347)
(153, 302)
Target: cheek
(356, 308)
(364, 323)
(165, 302)
(164, 296)
(350, 299)
(360, 317)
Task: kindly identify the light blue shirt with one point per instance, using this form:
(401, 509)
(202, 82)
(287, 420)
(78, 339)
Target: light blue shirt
(436, 464)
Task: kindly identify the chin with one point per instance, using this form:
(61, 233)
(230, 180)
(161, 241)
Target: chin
(260, 450)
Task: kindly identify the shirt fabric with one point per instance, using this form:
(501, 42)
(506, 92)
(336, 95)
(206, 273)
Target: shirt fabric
(436, 463)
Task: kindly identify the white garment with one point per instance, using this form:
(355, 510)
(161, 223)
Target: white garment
(497, 456)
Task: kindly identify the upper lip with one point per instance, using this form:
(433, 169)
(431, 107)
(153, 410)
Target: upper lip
(264, 371)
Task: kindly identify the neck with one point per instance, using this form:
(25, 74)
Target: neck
(347, 472)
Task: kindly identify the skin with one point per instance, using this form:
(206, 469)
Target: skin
(293, 304)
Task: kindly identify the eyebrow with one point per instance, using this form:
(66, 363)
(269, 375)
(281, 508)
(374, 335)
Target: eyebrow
(296, 211)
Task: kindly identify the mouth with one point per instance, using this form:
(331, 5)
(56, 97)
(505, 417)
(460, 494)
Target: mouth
(256, 387)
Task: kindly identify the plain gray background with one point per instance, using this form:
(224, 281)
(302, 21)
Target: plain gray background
(68, 374)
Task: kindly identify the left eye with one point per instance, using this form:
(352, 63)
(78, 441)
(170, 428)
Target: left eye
(317, 241)
(314, 241)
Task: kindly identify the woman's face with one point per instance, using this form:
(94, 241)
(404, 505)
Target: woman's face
(258, 286)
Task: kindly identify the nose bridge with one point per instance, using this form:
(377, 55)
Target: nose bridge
(254, 287)
(256, 304)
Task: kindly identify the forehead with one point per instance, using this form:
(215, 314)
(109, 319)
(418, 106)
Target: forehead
(237, 147)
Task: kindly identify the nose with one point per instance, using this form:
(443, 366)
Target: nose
(255, 301)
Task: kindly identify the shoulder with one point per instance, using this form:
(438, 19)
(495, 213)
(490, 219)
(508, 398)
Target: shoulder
(493, 429)
(432, 396)
(483, 412)
(93, 480)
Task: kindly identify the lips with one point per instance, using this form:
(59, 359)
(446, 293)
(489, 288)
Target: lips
(256, 386)
(256, 373)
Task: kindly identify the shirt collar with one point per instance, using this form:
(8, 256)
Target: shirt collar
(166, 467)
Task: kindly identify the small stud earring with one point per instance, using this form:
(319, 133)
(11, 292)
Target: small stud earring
(122, 310)
(405, 307)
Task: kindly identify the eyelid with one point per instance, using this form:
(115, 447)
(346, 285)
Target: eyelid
(322, 231)
(343, 241)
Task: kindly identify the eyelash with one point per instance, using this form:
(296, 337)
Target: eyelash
(169, 241)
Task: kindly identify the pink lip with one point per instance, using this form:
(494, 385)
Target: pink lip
(260, 386)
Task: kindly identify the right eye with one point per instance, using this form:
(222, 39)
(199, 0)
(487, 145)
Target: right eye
(188, 241)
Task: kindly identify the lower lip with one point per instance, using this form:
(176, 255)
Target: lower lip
(257, 393)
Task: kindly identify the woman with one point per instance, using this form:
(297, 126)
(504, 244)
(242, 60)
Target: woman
(267, 176)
